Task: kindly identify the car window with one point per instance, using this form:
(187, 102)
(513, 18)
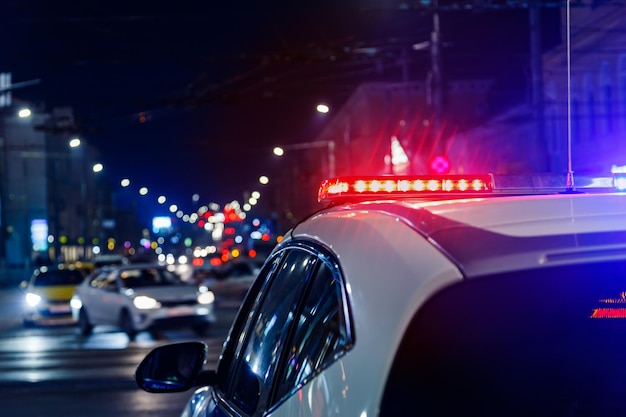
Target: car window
(103, 280)
(531, 343)
(243, 315)
(59, 277)
(258, 357)
(321, 334)
(148, 277)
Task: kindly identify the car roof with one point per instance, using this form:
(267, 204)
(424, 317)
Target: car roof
(506, 232)
(396, 254)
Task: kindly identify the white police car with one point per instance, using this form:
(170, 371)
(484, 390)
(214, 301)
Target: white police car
(390, 302)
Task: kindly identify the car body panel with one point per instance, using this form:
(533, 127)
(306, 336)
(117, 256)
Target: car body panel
(506, 236)
(537, 215)
(397, 290)
(104, 307)
(57, 293)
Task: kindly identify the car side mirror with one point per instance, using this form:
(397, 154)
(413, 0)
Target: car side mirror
(174, 368)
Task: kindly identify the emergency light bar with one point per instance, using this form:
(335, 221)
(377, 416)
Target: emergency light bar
(438, 186)
(402, 186)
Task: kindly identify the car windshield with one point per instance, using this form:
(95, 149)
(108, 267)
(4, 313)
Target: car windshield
(58, 277)
(527, 343)
(149, 277)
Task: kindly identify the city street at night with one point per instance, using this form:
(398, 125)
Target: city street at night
(55, 372)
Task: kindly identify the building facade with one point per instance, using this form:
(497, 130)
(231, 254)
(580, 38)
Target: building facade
(23, 188)
(53, 206)
(584, 102)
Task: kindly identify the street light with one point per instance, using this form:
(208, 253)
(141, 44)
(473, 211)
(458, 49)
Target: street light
(24, 113)
(74, 143)
(322, 108)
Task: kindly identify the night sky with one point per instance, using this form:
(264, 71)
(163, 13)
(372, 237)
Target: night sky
(189, 97)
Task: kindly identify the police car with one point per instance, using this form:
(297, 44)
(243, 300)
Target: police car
(429, 296)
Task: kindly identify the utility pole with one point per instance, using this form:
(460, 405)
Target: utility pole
(436, 81)
(539, 146)
(435, 84)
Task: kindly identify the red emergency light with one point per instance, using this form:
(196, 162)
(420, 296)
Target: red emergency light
(609, 313)
(386, 186)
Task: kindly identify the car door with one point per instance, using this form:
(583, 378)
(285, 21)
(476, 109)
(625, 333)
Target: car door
(293, 325)
(89, 291)
(102, 298)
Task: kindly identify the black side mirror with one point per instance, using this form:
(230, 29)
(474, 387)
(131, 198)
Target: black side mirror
(174, 368)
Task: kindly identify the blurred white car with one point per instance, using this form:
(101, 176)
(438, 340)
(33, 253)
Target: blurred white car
(138, 297)
(427, 296)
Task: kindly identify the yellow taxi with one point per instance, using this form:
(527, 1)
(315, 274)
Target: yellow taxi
(48, 292)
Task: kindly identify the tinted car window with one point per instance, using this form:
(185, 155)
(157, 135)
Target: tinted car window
(549, 342)
(321, 333)
(238, 327)
(103, 279)
(135, 278)
(59, 277)
(253, 375)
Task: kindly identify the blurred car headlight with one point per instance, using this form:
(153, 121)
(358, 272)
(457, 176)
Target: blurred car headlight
(75, 303)
(143, 302)
(206, 297)
(32, 299)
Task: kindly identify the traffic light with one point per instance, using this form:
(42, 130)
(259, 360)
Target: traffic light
(439, 164)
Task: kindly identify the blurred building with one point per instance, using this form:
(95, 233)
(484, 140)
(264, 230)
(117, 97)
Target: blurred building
(53, 206)
(585, 117)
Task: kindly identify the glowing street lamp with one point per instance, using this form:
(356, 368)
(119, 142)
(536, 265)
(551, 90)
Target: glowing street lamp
(322, 108)
(24, 113)
(74, 143)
